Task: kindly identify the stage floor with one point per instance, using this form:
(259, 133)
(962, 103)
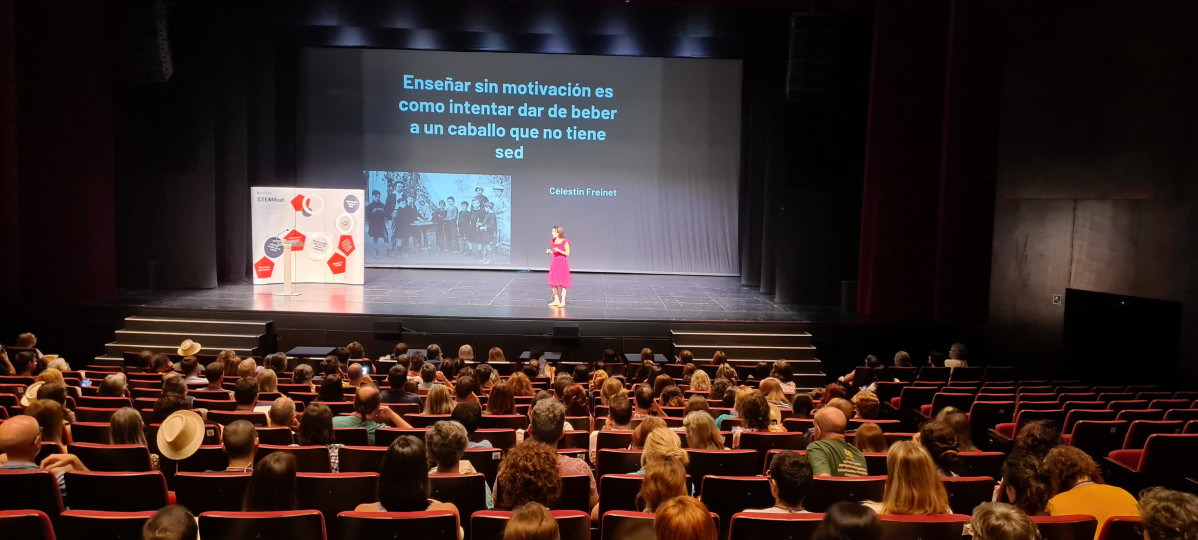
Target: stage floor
(502, 293)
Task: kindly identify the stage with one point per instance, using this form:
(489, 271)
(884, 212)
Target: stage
(501, 294)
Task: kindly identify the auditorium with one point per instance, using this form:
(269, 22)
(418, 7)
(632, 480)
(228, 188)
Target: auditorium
(598, 270)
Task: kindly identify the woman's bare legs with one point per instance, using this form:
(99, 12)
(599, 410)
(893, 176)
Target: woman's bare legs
(563, 302)
(556, 302)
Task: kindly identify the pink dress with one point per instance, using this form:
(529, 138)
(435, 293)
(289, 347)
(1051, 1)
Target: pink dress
(559, 268)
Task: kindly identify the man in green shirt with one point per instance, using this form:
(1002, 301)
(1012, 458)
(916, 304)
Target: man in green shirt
(830, 454)
(370, 413)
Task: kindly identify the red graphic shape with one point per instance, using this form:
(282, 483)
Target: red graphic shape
(296, 236)
(346, 244)
(337, 263)
(298, 202)
(264, 268)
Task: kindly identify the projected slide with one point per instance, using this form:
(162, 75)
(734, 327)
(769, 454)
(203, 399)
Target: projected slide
(475, 156)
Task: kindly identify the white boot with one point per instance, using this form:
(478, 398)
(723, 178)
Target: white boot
(555, 302)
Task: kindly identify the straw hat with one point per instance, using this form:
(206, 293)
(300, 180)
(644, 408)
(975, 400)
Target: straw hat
(189, 348)
(180, 435)
(31, 394)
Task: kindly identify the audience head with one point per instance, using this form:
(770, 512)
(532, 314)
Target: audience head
(531, 521)
(355, 373)
(230, 360)
(830, 422)
(660, 383)
(161, 363)
(50, 375)
(397, 377)
(802, 405)
(1065, 466)
(671, 396)
(428, 373)
(49, 415)
(834, 391)
(438, 401)
(464, 388)
(445, 442)
(701, 433)
(598, 379)
(1036, 438)
(402, 349)
(214, 372)
(782, 371)
(867, 404)
(367, 400)
(719, 358)
(610, 388)
(755, 412)
(696, 403)
(1024, 487)
(870, 438)
(683, 518)
(167, 404)
(245, 393)
(1166, 514)
(663, 444)
(356, 351)
(240, 440)
(913, 486)
(790, 478)
(761, 371)
(172, 522)
(998, 521)
(53, 391)
(527, 474)
(247, 368)
(958, 351)
(466, 352)
(272, 488)
(331, 390)
(849, 521)
(469, 414)
(501, 400)
(172, 383)
(24, 363)
(731, 397)
(268, 381)
(644, 397)
(941, 443)
(548, 421)
(664, 480)
(902, 359)
(403, 477)
(726, 371)
(126, 427)
(642, 431)
(529, 370)
(20, 438)
(576, 401)
(190, 365)
(580, 373)
(843, 404)
(700, 381)
(316, 426)
(959, 422)
(282, 412)
(276, 362)
(619, 410)
(114, 385)
(719, 387)
(342, 354)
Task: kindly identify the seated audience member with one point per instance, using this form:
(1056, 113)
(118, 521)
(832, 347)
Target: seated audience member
(700, 381)
(51, 417)
(190, 367)
(282, 413)
(801, 406)
(576, 400)
(240, 441)
(403, 481)
(941, 443)
(356, 351)
(172, 383)
(276, 362)
(528, 473)
(643, 396)
(531, 521)
(469, 415)
(231, 362)
(180, 435)
(902, 359)
(696, 403)
(664, 480)
(726, 371)
(1023, 486)
(719, 388)
(521, 385)
(1075, 487)
(356, 378)
(172, 522)
(848, 521)
(268, 381)
(701, 433)
(245, 393)
(272, 488)
(401, 349)
(168, 404)
(370, 413)
(755, 415)
(24, 363)
(1036, 439)
(438, 401)
(850, 378)
(736, 404)
(936, 359)
(60, 364)
(214, 373)
(642, 431)
(782, 371)
(548, 423)
(114, 385)
(161, 363)
(913, 487)
(790, 480)
(998, 521)
(397, 377)
(303, 374)
(1166, 514)
(598, 379)
(619, 418)
(959, 422)
(463, 389)
(867, 405)
(611, 387)
(247, 369)
(761, 371)
(56, 392)
(956, 356)
(830, 454)
(331, 389)
(495, 355)
(662, 444)
(870, 439)
(445, 442)
(466, 354)
(316, 429)
(771, 388)
(428, 376)
(21, 441)
(50, 375)
(126, 427)
(671, 396)
(501, 400)
(486, 377)
(684, 518)
(660, 382)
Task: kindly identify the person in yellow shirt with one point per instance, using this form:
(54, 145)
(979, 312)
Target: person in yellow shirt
(1075, 487)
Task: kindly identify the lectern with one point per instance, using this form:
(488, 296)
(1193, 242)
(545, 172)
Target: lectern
(288, 255)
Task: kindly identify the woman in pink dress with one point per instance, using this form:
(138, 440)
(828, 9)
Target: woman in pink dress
(559, 267)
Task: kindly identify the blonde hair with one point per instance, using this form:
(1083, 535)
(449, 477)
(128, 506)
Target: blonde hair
(466, 352)
(438, 401)
(742, 396)
(701, 433)
(771, 388)
(598, 379)
(664, 480)
(913, 486)
(867, 404)
(700, 381)
(268, 381)
(869, 438)
(611, 388)
(663, 443)
(50, 375)
(726, 371)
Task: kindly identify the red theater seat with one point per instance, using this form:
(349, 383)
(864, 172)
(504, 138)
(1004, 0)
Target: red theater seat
(764, 441)
(619, 491)
(467, 492)
(112, 457)
(489, 524)
(966, 492)
(1077, 527)
(351, 436)
(26, 524)
(438, 525)
(612, 461)
(943, 527)
(727, 495)
(313, 459)
(203, 492)
(116, 491)
(502, 439)
(576, 493)
(360, 458)
(1099, 438)
(30, 490)
(829, 490)
(288, 525)
(754, 526)
(1140, 430)
(721, 463)
(333, 493)
(93, 525)
(623, 525)
(503, 421)
(225, 418)
(1121, 528)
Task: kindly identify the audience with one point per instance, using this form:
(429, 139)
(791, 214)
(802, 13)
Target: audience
(445, 442)
(830, 454)
(438, 401)
(214, 373)
(240, 441)
(114, 385)
(272, 488)
(701, 433)
(168, 404)
(913, 487)
(867, 405)
(531, 521)
(268, 381)
(755, 415)
(662, 444)
(870, 439)
(282, 414)
(802, 406)
(331, 389)
(397, 378)
(664, 480)
(548, 423)
(316, 429)
(619, 418)
(245, 393)
(51, 418)
(21, 441)
(941, 443)
(190, 367)
(848, 521)
(1075, 487)
(643, 401)
(1022, 485)
(959, 422)
(126, 427)
(1166, 514)
(998, 521)
(370, 413)
(403, 481)
(684, 518)
(303, 374)
(501, 400)
(528, 473)
(642, 431)
(172, 522)
(1035, 439)
(790, 480)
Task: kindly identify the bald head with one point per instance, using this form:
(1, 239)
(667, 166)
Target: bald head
(17, 437)
(845, 406)
(367, 400)
(831, 420)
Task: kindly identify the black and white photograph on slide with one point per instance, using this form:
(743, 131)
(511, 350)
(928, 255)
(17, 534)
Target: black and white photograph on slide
(435, 219)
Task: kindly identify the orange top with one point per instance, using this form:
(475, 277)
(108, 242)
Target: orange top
(1099, 500)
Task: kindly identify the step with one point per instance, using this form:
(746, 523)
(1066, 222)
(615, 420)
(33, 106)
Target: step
(188, 325)
(745, 352)
(108, 361)
(115, 349)
(208, 340)
(800, 339)
(812, 380)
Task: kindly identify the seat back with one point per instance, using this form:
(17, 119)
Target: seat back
(764, 441)
(360, 458)
(727, 495)
(502, 439)
(966, 492)
(112, 457)
(1169, 404)
(206, 458)
(968, 374)
(755, 526)
(103, 402)
(26, 524)
(278, 436)
(1127, 404)
(426, 420)
(489, 524)
(617, 439)
(925, 527)
(624, 525)
(576, 493)
(575, 439)
(913, 397)
(1076, 415)
(90, 432)
(225, 418)
(91, 524)
(333, 493)
(613, 461)
(959, 401)
(982, 463)
(619, 491)
(1032, 415)
(984, 415)
(1140, 430)
(828, 490)
(307, 458)
(1169, 456)
(936, 374)
(1131, 415)
(353, 436)
(1099, 437)
(30, 490)
(468, 492)
(741, 462)
(1121, 528)
(116, 491)
(1079, 527)
(1185, 415)
(385, 436)
(502, 421)
(202, 492)
(485, 461)
(286, 525)
(94, 414)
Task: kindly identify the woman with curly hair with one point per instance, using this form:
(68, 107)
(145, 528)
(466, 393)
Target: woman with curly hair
(576, 400)
(754, 411)
(439, 401)
(941, 443)
(726, 371)
(1075, 487)
(598, 378)
(520, 385)
(501, 399)
(528, 473)
(1022, 485)
(700, 381)
(1036, 438)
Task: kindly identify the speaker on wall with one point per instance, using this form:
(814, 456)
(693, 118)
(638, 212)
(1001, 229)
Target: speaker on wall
(145, 40)
(809, 65)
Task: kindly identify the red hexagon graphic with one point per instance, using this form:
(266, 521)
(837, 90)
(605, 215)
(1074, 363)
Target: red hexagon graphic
(298, 202)
(264, 268)
(337, 263)
(346, 244)
(296, 236)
